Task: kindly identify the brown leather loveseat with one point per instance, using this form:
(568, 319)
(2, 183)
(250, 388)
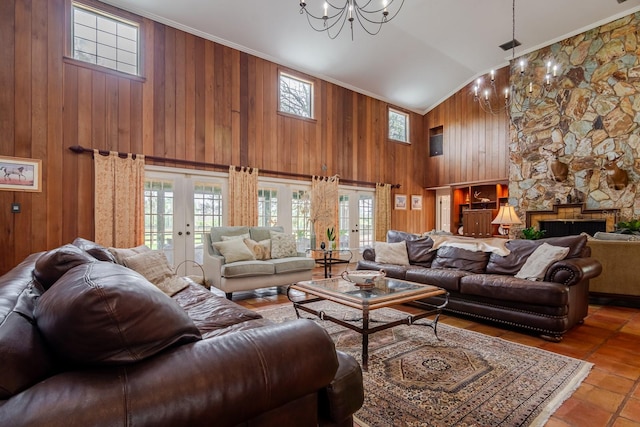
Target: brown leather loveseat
(85, 341)
(484, 285)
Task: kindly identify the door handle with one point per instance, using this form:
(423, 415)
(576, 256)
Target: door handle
(188, 233)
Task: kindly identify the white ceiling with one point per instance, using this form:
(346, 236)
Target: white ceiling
(428, 52)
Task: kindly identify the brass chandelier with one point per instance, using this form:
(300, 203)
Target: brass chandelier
(335, 14)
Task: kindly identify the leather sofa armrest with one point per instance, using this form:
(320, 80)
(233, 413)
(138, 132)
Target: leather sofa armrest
(224, 380)
(369, 254)
(573, 271)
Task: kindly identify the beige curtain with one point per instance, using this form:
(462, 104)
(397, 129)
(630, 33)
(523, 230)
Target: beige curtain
(382, 215)
(324, 205)
(243, 196)
(119, 200)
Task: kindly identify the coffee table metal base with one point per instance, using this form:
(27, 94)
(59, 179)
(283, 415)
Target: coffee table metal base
(366, 330)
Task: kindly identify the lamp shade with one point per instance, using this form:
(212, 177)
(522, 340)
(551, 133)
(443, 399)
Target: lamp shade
(506, 216)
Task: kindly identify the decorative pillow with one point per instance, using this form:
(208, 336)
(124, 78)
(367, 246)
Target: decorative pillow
(121, 253)
(234, 250)
(154, 266)
(283, 245)
(54, 264)
(461, 259)
(239, 236)
(392, 253)
(536, 265)
(261, 250)
(419, 250)
(106, 314)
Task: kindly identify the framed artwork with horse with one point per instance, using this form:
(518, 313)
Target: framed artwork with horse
(20, 174)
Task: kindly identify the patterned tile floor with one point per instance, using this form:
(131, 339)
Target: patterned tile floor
(609, 338)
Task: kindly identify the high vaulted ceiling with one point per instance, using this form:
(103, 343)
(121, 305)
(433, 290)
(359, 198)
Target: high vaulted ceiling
(428, 52)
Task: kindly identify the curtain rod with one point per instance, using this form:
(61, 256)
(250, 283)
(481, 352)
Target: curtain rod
(80, 149)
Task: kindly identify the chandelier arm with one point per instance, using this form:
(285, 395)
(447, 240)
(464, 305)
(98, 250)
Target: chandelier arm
(343, 21)
(363, 13)
(363, 25)
(340, 18)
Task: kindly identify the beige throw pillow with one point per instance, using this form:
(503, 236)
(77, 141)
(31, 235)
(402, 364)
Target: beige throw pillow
(283, 245)
(539, 261)
(392, 253)
(261, 250)
(121, 253)
(154, 266)
(239, 236)
(234, 250)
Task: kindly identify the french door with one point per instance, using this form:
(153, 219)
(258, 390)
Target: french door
(179, 209)
(356, 220)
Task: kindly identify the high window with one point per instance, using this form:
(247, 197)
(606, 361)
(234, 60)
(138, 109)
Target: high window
(398, 125)
(106, 40)
(295, 96)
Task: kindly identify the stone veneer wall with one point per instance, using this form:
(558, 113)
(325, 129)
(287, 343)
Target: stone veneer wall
(591, 109)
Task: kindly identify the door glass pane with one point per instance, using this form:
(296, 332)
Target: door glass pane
(158, 216)
(207, 213)
(300, 226)
(267, 207)
(343, 219)
(365, 210)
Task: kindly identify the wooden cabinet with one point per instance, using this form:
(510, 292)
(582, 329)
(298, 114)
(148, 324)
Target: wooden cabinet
(477, 222)
(475, 205)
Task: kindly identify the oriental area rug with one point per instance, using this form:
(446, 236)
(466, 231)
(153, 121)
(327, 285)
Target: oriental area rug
(464, 378)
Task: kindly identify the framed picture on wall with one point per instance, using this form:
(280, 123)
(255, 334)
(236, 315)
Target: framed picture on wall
(19, 174)
(416, 202)
(401, 201)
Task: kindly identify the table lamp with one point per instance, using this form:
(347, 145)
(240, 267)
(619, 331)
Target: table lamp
(506, 218)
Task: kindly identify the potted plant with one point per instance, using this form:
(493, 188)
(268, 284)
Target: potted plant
(628, 227)
(331, 237)
(532, 233)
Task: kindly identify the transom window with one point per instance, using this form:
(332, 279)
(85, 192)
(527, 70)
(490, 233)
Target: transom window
(398, 125)
(296, 96)
(106, 40)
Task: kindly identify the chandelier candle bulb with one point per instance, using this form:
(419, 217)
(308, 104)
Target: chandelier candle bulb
(493, 75)
(506, 93)
(555, 70)
(486, 94)
(530, 87)
(326, 10)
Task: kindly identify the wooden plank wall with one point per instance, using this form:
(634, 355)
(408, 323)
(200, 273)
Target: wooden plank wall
(198, 101)
(475, 143)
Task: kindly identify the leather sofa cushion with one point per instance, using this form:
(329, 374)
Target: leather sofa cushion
(94, 249)
(54, 264)
(103, 313)
(448, 279)
(292, 264)
(521, 249)
(395, 236)
(25, 358)
(247, 268)
(461, 259)
(419, 251)
(508, 288)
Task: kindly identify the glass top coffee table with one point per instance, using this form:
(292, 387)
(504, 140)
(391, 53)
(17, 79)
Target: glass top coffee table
(387, 292)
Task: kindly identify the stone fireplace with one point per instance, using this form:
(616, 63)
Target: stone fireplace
(571, 219)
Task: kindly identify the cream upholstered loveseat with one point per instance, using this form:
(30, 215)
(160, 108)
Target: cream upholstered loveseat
(231, 276)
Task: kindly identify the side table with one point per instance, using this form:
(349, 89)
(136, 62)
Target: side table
(330, 257)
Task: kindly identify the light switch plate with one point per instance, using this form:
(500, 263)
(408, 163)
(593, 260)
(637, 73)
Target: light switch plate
(15, 207)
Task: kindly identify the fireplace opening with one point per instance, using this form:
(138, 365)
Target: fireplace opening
(570, 227)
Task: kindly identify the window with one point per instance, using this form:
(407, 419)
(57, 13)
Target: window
(106, 40)
(207, 213)
(267, 207)
(398, 125)
(296, 96)
(365, 210)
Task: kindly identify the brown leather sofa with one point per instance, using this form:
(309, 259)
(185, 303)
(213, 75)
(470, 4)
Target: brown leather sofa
(85, 341)
(482, 284)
